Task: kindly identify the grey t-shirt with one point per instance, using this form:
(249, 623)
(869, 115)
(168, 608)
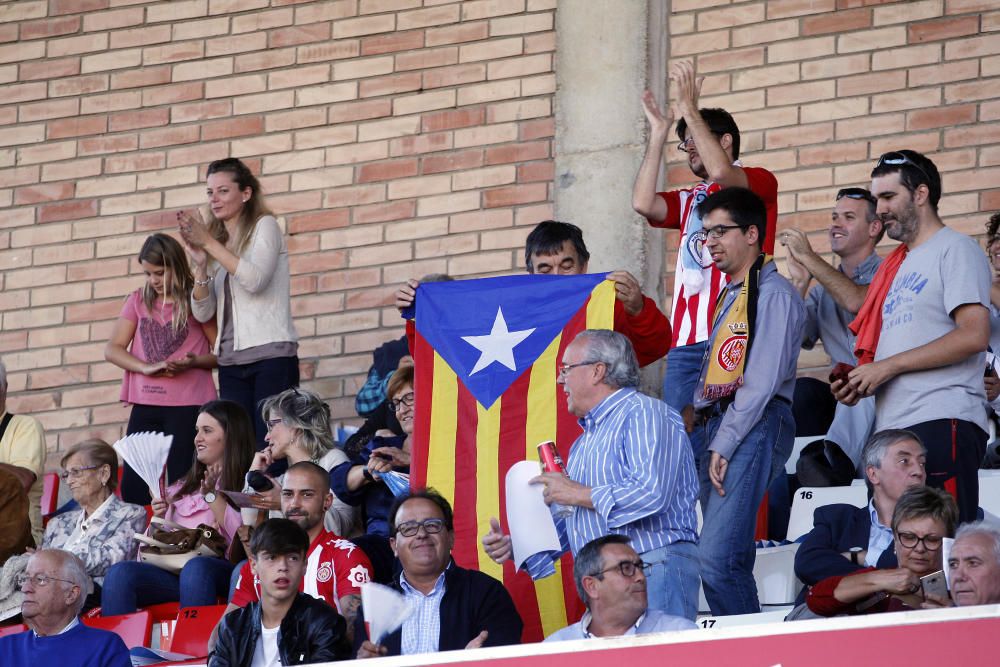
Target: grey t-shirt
(946, 271)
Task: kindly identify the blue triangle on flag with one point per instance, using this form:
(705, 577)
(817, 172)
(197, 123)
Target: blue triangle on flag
(491, 330)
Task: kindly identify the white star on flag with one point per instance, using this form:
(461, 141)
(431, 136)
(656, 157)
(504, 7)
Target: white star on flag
(498, 345)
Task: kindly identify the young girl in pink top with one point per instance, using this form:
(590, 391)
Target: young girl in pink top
(166, 357)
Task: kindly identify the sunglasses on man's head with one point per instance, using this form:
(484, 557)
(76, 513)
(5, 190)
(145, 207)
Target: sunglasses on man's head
(898, 159)
(856, 193)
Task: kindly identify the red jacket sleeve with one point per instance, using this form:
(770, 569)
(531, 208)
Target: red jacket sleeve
(673, 220)
(649, 331)
(245, 592)
(821, 600)
(765, 185)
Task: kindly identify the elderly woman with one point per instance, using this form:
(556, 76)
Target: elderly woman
(298, 429)
(922, 519)
(101, 530)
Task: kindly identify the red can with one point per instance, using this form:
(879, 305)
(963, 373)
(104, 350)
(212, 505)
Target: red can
(548, 454)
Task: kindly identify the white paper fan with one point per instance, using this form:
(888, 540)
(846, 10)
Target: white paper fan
(146, 453)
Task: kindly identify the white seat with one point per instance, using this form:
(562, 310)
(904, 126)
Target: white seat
(774, 572)
(770, 616)
(797, 447)
(989, 493)
(858, 482)
(808, 498)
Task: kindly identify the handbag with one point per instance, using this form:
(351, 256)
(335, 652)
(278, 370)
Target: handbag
(171, 546)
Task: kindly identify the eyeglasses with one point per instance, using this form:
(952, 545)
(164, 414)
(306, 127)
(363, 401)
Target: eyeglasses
(719, 231)
(39, 580)
(405, 399)
(73, 473)
(271, 423)
(897, 159)
(566, 368)
(856, 193)
(688, 143)
(930, 542)
(411, 528)
(627, 568)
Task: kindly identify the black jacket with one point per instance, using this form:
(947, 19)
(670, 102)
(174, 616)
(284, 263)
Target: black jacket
(312, 631)
(472, 602)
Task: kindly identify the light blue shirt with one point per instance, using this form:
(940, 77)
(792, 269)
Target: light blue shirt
(652, 620)
(422, 630)
(879, 538)
(636, 458)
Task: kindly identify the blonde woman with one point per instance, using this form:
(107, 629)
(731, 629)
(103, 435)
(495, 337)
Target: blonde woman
(245, 287)
(165, 355)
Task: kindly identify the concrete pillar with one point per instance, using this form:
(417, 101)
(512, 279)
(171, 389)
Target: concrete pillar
(607, 53)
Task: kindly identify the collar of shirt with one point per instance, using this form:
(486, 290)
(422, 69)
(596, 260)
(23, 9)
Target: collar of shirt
(410, 590)
(87, 522)
(587, 619)
(879, 538)
(873, 513)
(866, 269)
(72, 624)
(600, 412)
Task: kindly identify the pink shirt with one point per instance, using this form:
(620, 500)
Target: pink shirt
(155, 340)
(191, 510)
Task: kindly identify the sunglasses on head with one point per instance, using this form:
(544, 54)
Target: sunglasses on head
(897, 159)
(856, 193)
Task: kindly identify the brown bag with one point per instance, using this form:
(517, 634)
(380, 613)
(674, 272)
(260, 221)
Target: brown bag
(171, 547)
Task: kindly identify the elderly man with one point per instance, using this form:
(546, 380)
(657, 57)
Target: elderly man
(611, 580)
(55, 585)
(974, 563)
(22, 462)
(631, 472)
(845, 538)
(454, 608)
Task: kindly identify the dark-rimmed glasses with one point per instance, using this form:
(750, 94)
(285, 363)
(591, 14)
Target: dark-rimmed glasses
(405, 399)
(566, 368)
(271, 423)
(627, 568)
(411, 528)
(910, 540)
(719, 231)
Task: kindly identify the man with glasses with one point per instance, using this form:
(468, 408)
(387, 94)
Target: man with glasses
(711, 140)
(22, 464)
(923, 328)
(631, 471)
(854, 231)
(611, 580)
(55, 584)
(454, 608)
(744, 396)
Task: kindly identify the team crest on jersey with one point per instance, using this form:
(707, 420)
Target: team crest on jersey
(359, 575)
(345, 545)
(732, 351)
(324, 572)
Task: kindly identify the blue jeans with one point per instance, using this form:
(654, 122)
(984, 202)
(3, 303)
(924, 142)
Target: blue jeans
(672, 582)
(726, 546)
(249, 384)
(130, 585)
(679, 384)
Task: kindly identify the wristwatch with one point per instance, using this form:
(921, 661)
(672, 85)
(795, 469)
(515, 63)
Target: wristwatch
(368, 475)
(855, 552)
(210, 497)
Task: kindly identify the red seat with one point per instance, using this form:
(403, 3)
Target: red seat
(165, 611)
(12, 629)
(134, 629)
(194, 627)
(50, 493)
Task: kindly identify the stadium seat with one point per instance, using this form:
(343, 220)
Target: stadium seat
(989, 492)
(797, 448)
(194, 627)
(134, 628)
(12, 629)
(771, 616)
(808, 498)
(774, 572)
(50, 493)
(164, 617)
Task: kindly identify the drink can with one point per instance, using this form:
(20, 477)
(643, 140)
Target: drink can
(550, 459)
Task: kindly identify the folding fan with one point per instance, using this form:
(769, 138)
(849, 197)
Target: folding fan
(146, 453)
(398, 482)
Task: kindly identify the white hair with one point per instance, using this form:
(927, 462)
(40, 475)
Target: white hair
(986, 529)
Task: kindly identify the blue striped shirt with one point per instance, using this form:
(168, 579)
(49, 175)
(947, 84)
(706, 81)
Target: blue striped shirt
(636, 458)
(421, 631)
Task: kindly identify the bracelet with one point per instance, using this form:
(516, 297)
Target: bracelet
(368, 475)
(203, 283)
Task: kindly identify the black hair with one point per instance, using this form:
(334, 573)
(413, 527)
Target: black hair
(993, 228)
(426, 494)
(720, 122)
(744, 207)
(278, 537)
(548, 237)
(915, 169)
(588, 560)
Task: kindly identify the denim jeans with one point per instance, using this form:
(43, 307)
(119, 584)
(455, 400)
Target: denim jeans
(726, 546)
(249, 384)
(672, 582)
(679, 383)
(130, 585)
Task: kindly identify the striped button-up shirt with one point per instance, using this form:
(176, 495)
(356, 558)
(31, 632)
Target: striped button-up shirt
(421, 631)
(636, 458)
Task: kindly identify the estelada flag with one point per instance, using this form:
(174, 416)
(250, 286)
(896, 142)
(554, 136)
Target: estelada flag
(486, 355)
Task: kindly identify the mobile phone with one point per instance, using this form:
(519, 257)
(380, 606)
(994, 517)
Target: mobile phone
(934, 584)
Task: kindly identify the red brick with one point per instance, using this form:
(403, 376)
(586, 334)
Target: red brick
(8, 32)
(454, 75)
(536, 171)
(390, 85)
(50, 27)
(924, 119)
(23, 92)
(515, 194)
(269, 59)
(840, 21)
(200, 111)
(169, 136)
(49, 69)
(141, 78)
(833, 153)
(451, 119)
(59, 7)
(239, 126)
(314, 222)
(397, 210)
(455, 161)
(396, 41)
(77, 127)
(36, 194)
(298, 34)
(178, 92)
(130, 120)
(521, 152)
(73, 210)
(113, 144)
(339, 49)
(427, 58)
(364, 110)
(157, 34)
(537, 129)
(454, 34)
(79, 85)
(930, 31)
(382, 171)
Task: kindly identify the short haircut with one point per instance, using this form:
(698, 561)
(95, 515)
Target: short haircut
(984, 528)
(588, 561)
(548, 237)
(743, 206)
(402, 377)
(97, 452)
(311, 468)
(72, 569)
(916, 171)
(306, 412)
(278, 537)
(879, 443)
(426, 494)
(616, 353)
(919, 502)
(720, 122)
(992, 228)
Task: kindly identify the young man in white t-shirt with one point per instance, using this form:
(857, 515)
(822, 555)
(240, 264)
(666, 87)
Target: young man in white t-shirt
(285, 627)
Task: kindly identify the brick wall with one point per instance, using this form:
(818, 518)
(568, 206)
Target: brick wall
(394, 138)
(820, 88)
